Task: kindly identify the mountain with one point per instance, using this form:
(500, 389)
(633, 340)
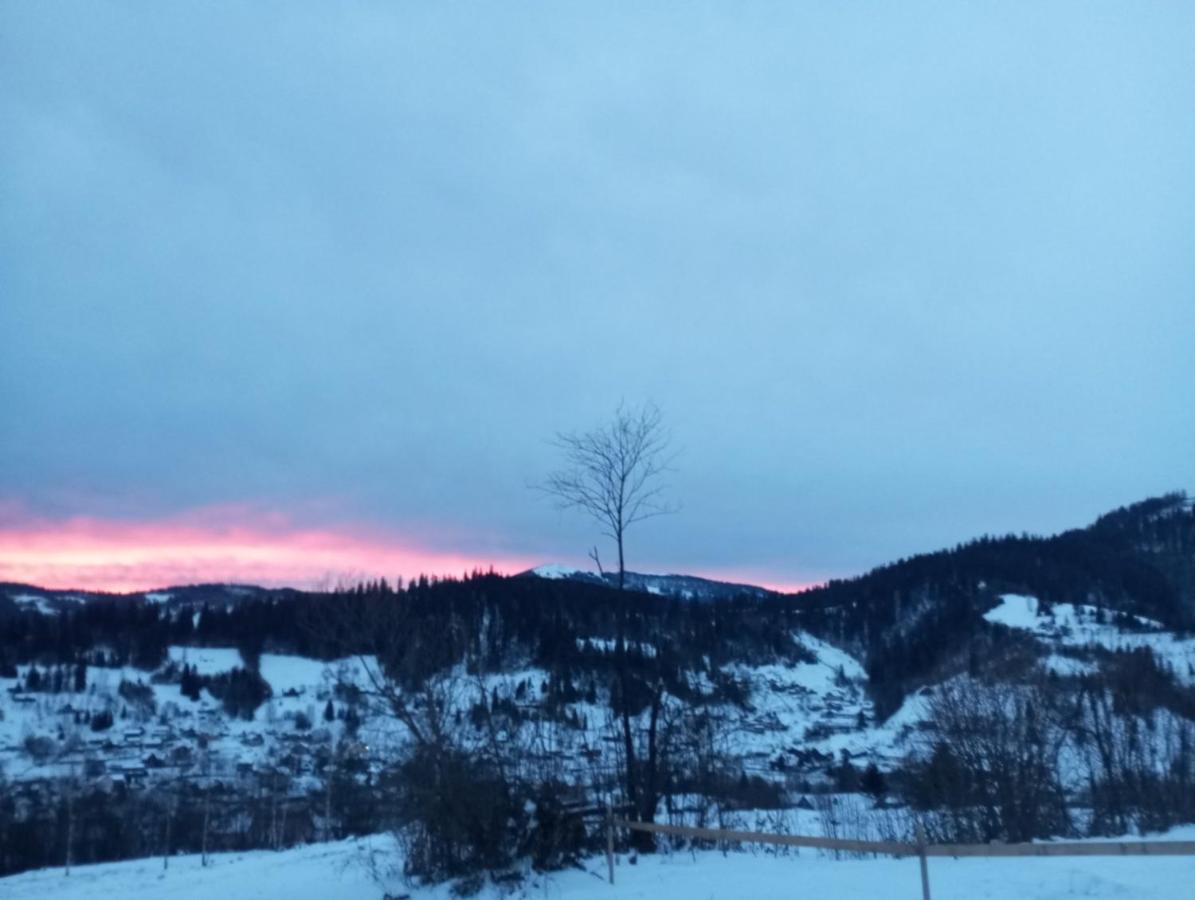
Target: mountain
(914, 619)
(762, 698)
(52, 601)
(686, 587)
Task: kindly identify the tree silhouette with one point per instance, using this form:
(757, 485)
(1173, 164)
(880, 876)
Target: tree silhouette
(614, 473)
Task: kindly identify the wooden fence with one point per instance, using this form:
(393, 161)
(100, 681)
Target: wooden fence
(899, 849)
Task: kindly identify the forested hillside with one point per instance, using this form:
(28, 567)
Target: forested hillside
(235, 717)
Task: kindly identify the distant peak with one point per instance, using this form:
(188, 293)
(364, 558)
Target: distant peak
(555, 570)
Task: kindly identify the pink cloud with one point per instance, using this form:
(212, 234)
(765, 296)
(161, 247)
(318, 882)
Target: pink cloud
(216, 544)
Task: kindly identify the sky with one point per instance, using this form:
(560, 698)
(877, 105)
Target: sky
(300, 292)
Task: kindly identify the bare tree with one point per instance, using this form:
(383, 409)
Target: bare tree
(614, 473)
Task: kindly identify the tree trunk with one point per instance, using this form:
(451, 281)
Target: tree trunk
(650, 795)
(628, 737)
(622, 569)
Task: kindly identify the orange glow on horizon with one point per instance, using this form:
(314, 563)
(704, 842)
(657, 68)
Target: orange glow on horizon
(238, 544)
(88, 553)
(759, 579)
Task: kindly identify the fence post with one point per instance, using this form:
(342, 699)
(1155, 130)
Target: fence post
(924, 863)
(610, 841)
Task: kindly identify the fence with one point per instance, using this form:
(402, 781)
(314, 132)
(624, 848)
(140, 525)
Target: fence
(898, 849)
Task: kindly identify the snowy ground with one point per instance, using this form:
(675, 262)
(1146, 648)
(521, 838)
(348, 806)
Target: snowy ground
(1079, 627)
(340, 870)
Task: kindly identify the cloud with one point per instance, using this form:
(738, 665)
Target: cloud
(896, 276)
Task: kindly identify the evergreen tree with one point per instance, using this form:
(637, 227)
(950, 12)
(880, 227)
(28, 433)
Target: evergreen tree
(873, 782)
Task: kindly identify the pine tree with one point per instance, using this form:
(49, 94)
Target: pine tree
(873, 782)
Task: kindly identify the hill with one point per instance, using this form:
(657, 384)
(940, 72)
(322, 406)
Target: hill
(268, 717)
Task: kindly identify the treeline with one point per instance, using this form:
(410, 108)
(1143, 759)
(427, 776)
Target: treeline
(74, 822)
(492, 622)
(916, 619)
(909, 621)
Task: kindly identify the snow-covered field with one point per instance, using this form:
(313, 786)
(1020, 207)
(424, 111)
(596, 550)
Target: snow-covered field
(341, 870)
(1080, 627)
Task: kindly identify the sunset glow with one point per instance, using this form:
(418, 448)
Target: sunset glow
(245, 545)
(763, 578)
(218, 545)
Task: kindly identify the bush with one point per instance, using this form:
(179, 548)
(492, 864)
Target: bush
(456, 816)
(39, 747)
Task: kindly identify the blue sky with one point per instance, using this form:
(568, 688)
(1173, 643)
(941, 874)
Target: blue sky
(896, 275)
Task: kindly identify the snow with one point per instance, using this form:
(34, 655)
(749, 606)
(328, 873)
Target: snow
(36, 600)
(1080, 626)
(158, 596)
(556, 571)
(342, 869)
(292, 673)
(818, 706)
(1068, 666)
(284, 672)
(609, 645)
(1015, 611)
(299, 686)
(1075, 624)
(207, 660)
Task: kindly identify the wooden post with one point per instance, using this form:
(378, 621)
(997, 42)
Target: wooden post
(610, 841)
(70, 818)
(924, 863)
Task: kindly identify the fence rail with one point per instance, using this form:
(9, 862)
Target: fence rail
(891, 848)
(1062, 848)
(899, 849)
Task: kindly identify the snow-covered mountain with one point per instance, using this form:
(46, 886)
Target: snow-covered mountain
(687, 587)
(231, 686)
(16, 596)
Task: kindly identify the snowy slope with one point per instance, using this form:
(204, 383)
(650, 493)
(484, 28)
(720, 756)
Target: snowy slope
(341, 870)
(688, 587)
(172, 724)
(798, 717)
(1079, 626)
